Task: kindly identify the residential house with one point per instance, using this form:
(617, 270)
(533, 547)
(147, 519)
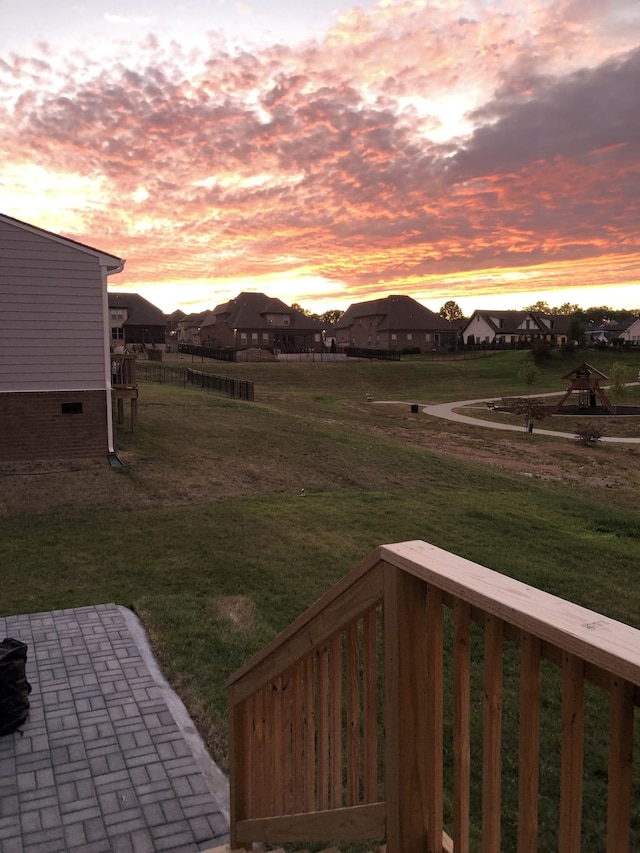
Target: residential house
(187, 328)
(258, 320)
(610, 332)
(134, 321)
(394, 323)
(55, 380)
(514, 327)
(631, 335)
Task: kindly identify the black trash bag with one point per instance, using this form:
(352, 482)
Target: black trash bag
(14, 687)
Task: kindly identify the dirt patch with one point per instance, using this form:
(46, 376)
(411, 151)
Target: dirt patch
(238, 609)
(255, 354)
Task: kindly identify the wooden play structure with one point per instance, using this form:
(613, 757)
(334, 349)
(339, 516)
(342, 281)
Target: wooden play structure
(585, 382)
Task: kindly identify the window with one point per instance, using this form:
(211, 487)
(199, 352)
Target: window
(117, 314)
(285, 321)
(117, 333)
(427, 337)
(317, 337)
(409, 336)
(394, 337)
(243, 337)
(254, 337)
(265, 337)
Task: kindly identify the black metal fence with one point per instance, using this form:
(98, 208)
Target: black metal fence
(241, 389)
(208, 352)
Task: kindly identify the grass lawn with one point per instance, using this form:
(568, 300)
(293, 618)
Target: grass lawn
(206, 532)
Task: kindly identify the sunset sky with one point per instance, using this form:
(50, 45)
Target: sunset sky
(486, 151)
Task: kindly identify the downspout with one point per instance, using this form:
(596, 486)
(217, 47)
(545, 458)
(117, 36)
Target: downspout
(107, 271)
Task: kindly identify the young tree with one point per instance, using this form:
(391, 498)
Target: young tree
(451, 311)
(619, 379)
(531, 409)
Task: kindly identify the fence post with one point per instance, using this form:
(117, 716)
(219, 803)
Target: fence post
(406, 770)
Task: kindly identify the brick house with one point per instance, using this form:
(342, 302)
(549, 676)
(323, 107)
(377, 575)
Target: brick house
(133, 320)
(55, 383)
(394, 323)
(258, 320)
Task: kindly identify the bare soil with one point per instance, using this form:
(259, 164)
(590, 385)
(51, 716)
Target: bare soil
(223, 471)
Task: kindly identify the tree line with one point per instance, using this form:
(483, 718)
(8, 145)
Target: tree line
(452, 311)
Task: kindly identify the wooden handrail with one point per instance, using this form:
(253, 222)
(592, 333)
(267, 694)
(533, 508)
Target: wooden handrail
(336, 727)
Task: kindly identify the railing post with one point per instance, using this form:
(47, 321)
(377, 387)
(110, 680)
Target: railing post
(238, 764)
(406, 772)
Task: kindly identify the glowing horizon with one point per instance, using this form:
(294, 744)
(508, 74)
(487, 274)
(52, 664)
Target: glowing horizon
(445, 151)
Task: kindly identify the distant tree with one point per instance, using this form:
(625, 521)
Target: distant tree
(451, 311)
(577, 331)
(331, 317)
(539, 307)
(566, 309)
(596, 314)
(297, 307)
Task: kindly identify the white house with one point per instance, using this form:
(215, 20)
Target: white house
(632, 333)
(510, 327)
(55, 380)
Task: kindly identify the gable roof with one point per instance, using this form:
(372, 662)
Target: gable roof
(249, 311)
(512, 321)
(112, 263)
(395, 313)
(140, 312)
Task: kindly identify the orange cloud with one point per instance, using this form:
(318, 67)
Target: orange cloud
(407, 146)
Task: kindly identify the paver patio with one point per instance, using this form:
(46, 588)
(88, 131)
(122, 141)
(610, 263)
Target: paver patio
(108, 760)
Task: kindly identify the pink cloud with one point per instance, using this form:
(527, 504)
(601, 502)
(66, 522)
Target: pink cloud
(224, 164)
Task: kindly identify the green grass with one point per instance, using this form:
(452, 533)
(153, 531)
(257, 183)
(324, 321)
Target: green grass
(209, 508)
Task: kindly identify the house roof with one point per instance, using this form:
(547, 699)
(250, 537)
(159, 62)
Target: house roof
(395, 313)
(512, 321)
(140, 312)
(112, 263)
(250, 310)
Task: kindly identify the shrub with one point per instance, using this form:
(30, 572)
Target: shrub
(587, 433)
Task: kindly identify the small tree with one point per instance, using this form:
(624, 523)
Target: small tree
(531, 409)
(619, 378)
(540, 351)
(529, 372)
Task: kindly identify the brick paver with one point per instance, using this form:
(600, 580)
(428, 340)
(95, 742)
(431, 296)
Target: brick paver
(102, 763)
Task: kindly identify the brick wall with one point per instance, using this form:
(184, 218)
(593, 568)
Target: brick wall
(53, 425)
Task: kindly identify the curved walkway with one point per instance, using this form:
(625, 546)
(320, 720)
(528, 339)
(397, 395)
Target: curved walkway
(445, 410)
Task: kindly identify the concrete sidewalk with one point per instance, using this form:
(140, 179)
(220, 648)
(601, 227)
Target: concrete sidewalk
(109, 761)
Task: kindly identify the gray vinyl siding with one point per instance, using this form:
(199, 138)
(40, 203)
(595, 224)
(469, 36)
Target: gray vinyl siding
(51, 314)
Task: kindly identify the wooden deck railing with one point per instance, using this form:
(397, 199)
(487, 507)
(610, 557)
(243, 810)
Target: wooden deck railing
(383, 713)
